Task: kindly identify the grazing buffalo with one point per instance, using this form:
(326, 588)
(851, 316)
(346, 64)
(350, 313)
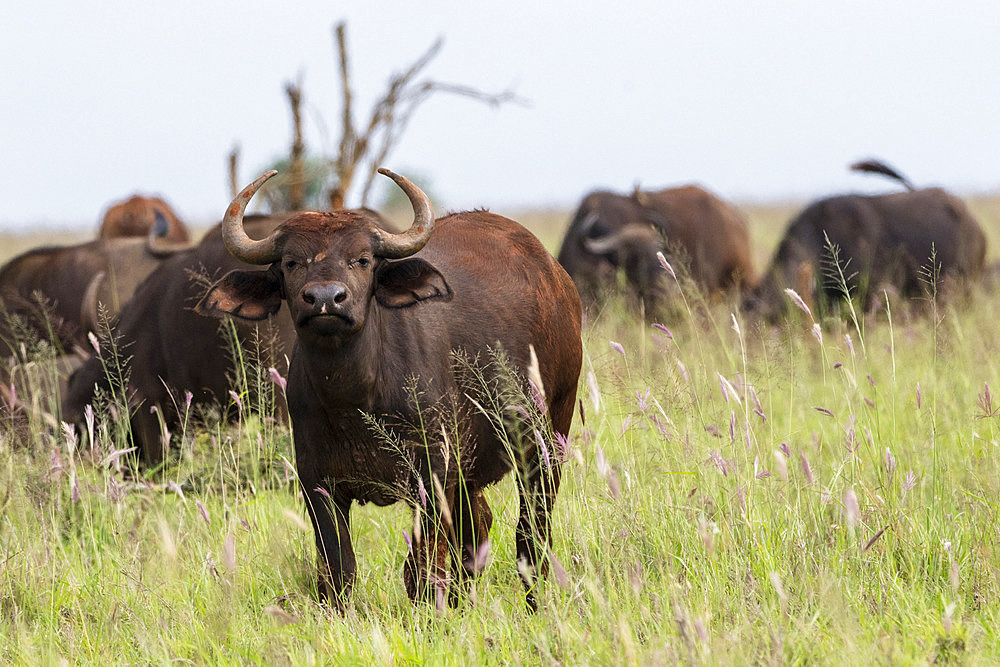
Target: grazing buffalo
(174, 349)
(138, 215)
(691, 226)
(883, 242)
(384, 408)
(53, 292)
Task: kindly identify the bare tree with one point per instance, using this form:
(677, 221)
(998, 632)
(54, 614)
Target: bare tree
(389, 118)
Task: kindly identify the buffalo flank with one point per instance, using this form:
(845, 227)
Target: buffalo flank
(899, 243)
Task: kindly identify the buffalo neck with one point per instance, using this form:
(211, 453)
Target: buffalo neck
(370, 369)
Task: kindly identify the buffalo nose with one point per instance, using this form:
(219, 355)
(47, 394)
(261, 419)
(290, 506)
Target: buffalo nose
(324, 294)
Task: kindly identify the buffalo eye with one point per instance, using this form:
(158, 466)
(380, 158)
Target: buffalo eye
(363, 262)
(290, 264)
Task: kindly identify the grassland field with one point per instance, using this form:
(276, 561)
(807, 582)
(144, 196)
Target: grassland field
(738, 494)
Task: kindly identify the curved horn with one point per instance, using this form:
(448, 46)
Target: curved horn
(632, 235)
(89, 316)
(588, 223)
(397, 246)
(157, 244)
(239, 244)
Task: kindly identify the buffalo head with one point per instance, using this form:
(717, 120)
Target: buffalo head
(140, 216)
(327, 266)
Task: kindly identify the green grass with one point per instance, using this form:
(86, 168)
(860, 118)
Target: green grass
(686, 533)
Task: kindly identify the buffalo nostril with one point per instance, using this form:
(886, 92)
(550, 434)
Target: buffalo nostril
(325, 295)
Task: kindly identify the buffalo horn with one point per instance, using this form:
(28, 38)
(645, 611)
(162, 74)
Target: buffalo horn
(588, 223)
(89, 316)
(239, 244)
(632, 233)
(157, 244)
(396, 246)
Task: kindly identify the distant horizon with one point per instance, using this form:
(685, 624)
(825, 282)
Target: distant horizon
(763, 103)
(42, 227)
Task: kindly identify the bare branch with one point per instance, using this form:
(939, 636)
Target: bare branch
(389, 116)
(234, 176)
(492, 99)
(395, 123)
(296, 162)
(343, 166)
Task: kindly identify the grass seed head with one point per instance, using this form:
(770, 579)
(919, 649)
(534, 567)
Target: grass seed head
(229, 553)
(666, 265)
(475, 562)
(852, 511)
(781, 465)
(806, 468)
(799, 303)
(666, 332)
(277, 379)
(236, 400)
(204, 512)
(175, 487)
(595, 394)
(296, 520)
(167, 540)
(558, 571)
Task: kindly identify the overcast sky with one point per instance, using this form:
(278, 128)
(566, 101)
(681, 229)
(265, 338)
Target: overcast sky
(756, 100)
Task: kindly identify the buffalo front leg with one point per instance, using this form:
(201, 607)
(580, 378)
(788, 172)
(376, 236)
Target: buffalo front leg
(331, 528)
(537, 489)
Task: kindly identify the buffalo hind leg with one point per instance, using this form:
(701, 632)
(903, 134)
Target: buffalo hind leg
(537, 489)
(470, 546)
(425, 573)
(537, 485)
(473, 520)
(331, 528)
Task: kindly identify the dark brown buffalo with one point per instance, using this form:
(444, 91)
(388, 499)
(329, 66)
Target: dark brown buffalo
(379, 319)
(691, 226)
(139, 215)
(54, 292)
(884, 242)
(175, 350)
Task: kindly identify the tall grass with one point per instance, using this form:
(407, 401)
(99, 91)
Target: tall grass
(732, 493)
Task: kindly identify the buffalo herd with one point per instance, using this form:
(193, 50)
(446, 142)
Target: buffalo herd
(901, 243)
(426, 365)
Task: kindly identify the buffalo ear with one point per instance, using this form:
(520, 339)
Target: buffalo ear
(248, 295)
(409, 281)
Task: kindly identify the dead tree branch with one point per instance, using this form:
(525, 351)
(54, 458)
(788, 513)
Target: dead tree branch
(234, 176)
(296, 164)
(389, 117)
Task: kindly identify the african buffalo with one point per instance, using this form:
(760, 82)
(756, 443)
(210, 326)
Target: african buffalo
(382, 323)
(174, 349)
(138, 215)
(883, 242)
(53, 292)
(691, 226)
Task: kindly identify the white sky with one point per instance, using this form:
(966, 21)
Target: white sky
(756, 100)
